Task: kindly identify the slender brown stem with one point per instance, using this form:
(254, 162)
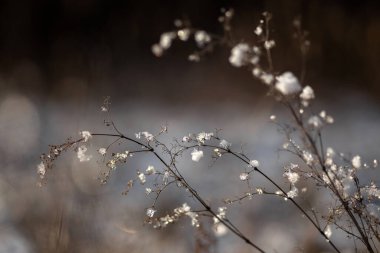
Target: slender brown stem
(332, 184)
(246, 161)
(291, 200)
(206, 206)
(193, 192)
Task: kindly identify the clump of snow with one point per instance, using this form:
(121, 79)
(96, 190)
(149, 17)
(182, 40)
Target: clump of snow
(287, 84)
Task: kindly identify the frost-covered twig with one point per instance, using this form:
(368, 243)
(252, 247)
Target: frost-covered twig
(350, 211)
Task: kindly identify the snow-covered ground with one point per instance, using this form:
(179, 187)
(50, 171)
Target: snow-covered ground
(73, 212)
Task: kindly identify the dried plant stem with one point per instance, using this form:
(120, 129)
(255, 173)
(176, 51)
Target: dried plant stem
(285, 194)
(361, 230)
(193, 192)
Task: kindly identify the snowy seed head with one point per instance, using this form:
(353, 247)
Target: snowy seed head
(150, 212)
(330, 152)
(287, 84)
(86, 135)
(329, 161)
(266, 78)
(292, 176)
(292, 193)
(196, 155)
(328, 231)
(157, 50)
(186, 139)
(41, 170)
(202, 38)
(240, 55)
(225, 144)
(166, 39)
(81, 154)
(259, 30)
(307, 93)
(217, 152)
(256, 72)
(102, 151)
(356, 162)
(150, 170)
(183, 34)
(329, 119)
(244, 176)
(254, 163)
(203, 136)
(307, 157)
(194, 58)
(142, 178)
(315, 122)
(148, 191)
(269, 44)
(220, 229)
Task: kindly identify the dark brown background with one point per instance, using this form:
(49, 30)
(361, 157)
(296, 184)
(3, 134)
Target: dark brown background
(105, 45)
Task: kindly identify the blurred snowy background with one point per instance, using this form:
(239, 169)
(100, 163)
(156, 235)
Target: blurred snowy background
(59, 59)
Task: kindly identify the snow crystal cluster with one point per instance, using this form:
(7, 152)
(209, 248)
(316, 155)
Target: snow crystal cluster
(243, 54)
(201, 38)
(307, 95)
(196, 155)
(102, 151)
(142, 176)
(254, 164)
(203, 136)
(86, 135)
(41, 170)
(118, 158)
(292, 176)
(81, 154)
(148, 136)
(244, 176)
(184, 210)
(219, 228)
(287, 84)
(225, 144)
